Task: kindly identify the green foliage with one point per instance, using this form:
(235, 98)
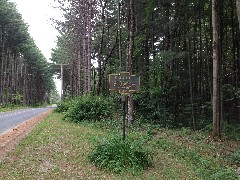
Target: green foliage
(89, 108)
(10, 107)
(18, 98)
(62, 53)
(186, 154)
(230, 92)
(234, 157)
(54, 97)
(154, 112)
(167, 54)
(228, 174)
(203, 165)
(231, 131)
(117, 155)
(19, 50)
(157, 103)
(63, 106)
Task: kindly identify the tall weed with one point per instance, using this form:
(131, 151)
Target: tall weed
(117, 155)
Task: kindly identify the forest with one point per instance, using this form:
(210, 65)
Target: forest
(23, 68)
(183, 123)
(186, 53)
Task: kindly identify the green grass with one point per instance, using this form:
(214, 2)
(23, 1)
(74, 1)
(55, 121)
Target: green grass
(117, 155)
(11, 108)
(58, 149)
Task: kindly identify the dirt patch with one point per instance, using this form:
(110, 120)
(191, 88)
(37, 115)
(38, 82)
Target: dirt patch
(11, 138)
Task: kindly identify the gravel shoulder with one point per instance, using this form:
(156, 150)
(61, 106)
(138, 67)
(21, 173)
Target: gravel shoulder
(12, 137)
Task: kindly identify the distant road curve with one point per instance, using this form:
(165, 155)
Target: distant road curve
(11, 119)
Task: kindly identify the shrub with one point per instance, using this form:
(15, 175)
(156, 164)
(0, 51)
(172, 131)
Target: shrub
(63, 106)
(234, 157)
(231, 131)
(90, 108)
(117, 155)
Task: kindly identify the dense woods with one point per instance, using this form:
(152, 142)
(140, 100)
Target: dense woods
(184, 123)
(25, 77)
(186, 53)
(170, 44)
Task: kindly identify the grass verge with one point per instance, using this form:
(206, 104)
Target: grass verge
(58, 149)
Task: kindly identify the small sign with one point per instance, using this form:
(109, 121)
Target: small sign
(124, 83)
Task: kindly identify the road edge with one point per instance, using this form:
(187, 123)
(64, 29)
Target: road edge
(11, 138)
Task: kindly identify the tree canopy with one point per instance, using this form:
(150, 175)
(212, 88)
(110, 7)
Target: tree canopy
(25, 76)
(167, 43)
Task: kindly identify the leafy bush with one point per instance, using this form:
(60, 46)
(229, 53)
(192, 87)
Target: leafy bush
(234, 157)
(90, 108)
(63, 106)
(117, 155)
(231, 131)
(153, 112)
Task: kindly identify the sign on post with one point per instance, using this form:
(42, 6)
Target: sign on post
(124, 83)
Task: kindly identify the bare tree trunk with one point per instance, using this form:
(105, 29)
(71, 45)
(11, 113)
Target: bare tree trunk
(238, 11)
(238, 14)
(119, 37)
(7, 87)
(78, 76)
(2, 69)
(1, 80)
(25, 95)
(130, 60)
(100, 57)
(216, 70)
(85, 66)
(89, 45)
(4, 75)
(191, 87)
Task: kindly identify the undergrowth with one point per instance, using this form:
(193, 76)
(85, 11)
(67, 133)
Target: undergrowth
(234, 157)
(63, 106)
(58, 149)
(204, 166)
(87, 108)
(117, 155)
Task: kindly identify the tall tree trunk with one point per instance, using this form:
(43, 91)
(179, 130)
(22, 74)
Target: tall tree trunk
(5, 60)
(84, 57)
(216, 70)
(100, 55)
(25, 82)
(130, 59)
(79, 65)
(89, 45)
(119, 37)
(238, 73)
(238, 11)
(191, 87)
(2, 68)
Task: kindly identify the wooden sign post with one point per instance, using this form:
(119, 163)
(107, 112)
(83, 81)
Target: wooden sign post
(125, 84)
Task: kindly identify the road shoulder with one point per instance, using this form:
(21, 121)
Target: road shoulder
(11, 138)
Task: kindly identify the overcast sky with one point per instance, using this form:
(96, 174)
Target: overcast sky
(37, 14)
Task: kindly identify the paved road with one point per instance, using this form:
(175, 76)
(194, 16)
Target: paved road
(11, 119)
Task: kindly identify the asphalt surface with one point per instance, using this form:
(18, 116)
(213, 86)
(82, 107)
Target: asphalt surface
(11, 119)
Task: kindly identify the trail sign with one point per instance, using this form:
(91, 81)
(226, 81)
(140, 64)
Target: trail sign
(124, 83)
